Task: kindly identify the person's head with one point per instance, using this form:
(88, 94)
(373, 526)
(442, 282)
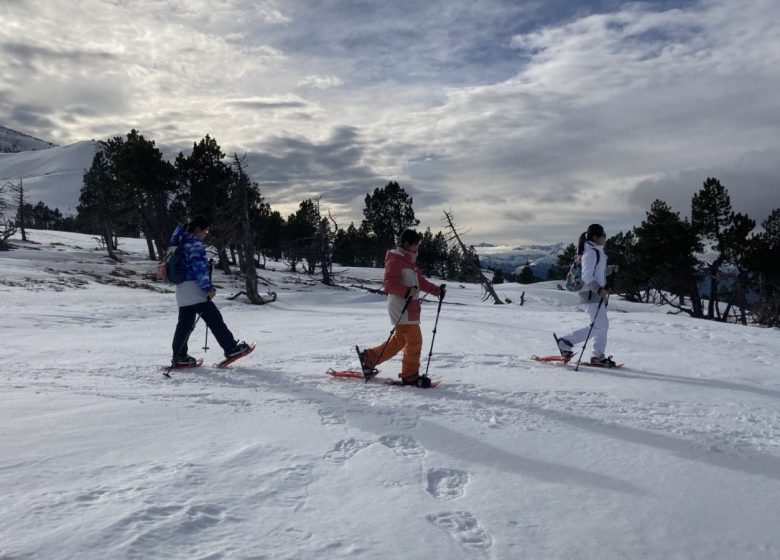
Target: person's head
(409, 240)
(199, 227)
(594, 234)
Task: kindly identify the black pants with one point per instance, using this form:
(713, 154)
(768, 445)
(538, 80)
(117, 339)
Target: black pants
(213, 319)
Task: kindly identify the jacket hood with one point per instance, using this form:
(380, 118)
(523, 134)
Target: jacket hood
(179, 235)
(400, 254)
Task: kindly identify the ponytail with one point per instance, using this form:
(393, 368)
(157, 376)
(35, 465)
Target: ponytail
(581, 244)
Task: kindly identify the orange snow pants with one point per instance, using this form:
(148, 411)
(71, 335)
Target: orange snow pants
(407, 338)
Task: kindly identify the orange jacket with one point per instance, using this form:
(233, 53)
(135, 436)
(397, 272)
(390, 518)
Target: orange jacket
(401, 273)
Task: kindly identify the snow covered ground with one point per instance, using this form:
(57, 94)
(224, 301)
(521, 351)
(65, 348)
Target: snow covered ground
(676, 456)
(53, 176)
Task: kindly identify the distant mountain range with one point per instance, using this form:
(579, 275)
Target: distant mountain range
(512, 259)
(12, 142)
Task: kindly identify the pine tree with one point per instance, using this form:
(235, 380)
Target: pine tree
(560, 269)
(711, 215)
(666, 248)
(388, 212)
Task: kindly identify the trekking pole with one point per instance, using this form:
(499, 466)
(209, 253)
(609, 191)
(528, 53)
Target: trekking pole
(435, 324)
(168, 373)
(601, 301)
(206, 344)
(408, 301)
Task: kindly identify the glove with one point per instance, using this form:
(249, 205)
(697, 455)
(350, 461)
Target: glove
(442, 291)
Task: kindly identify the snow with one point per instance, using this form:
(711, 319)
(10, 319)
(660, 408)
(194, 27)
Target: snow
(675, 456)
(53, 176)
(13, 141)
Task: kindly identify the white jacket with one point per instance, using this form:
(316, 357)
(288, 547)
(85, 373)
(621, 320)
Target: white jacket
(594, 272)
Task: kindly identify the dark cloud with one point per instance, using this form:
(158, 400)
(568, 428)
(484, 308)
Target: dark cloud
(753, 182)
(289, 169)
(26, 54)
(32, 118)
(263, 105)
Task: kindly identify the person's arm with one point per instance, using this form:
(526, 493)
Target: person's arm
(196, 257)
(590, 279)
(427, 286)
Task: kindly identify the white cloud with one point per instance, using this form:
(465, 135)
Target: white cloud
(472, 106)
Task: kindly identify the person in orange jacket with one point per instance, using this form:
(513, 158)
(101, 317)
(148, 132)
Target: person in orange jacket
(403, 281)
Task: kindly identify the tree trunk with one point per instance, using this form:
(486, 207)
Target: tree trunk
(223, 260)
(107, 235)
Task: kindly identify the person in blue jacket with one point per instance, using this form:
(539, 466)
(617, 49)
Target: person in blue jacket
(195, 296)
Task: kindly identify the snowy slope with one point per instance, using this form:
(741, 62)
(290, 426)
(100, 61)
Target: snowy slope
(53, 176)
(13, 141)
(675, 456)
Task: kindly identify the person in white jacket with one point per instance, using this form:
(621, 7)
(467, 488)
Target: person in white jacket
(594, 294)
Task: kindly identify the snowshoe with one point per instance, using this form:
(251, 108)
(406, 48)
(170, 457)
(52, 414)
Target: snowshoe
(603, 361)
(238, 350)
(183, 361)
(421, 381)
(369, 372)
(564, 347)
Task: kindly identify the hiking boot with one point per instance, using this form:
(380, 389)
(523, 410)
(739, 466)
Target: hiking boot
(240, 348)
(602, 361)
(183, 361)
(565, 347)
(421, 381)
(368, 369)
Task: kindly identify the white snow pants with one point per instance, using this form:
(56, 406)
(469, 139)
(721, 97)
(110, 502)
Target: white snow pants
(600, 324)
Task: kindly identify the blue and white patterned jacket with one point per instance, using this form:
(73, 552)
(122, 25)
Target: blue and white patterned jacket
(195, 255)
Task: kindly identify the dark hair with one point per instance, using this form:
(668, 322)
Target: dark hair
(198, 222)
(594, 232)
(409, 237)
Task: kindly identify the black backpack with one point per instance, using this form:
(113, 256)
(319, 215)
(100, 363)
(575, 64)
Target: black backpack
(173, 266)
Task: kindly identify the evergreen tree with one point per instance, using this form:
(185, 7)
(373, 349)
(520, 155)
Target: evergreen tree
(560, 269)
(622, 252)
(205, 181)
(666, 247)
(388, 212)
(527, 275)
(299, 235)
(763, 259)
(498, 276)
(711, 215)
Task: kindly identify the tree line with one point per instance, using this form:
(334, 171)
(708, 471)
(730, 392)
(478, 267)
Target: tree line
(714, 265)
(130, 190)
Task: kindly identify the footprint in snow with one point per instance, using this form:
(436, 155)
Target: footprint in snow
(346, 449)
(331, 416)
(403, 446)
(447, 484)
(464, 528)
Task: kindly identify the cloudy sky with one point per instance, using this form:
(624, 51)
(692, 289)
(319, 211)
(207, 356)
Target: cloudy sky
(529, 119)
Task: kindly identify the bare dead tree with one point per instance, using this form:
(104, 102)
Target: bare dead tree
(242, 201)
(17, 189)
(486, 284)
(7, 226)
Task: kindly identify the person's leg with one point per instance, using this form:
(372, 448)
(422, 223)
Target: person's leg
(216, 324)
(600, 329)
(184, 326)
(394, 345)
(411, 361)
